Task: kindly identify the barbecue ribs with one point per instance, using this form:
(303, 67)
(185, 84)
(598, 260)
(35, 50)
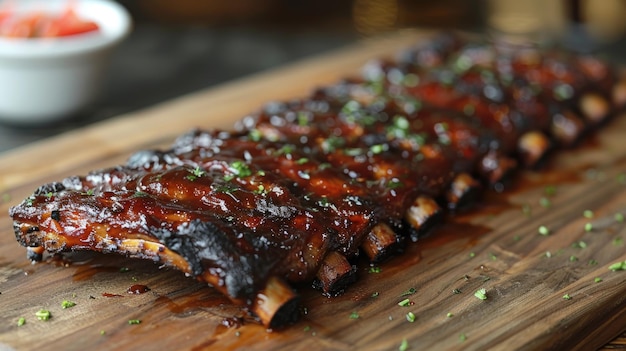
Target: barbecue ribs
(299, 190)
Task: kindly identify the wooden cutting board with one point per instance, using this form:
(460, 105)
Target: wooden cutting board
(495, 246)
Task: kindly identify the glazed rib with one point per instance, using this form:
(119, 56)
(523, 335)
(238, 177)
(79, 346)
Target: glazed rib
(182, 217)
(300, 190)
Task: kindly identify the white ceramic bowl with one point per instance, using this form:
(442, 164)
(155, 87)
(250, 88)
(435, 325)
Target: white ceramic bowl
(47, 79)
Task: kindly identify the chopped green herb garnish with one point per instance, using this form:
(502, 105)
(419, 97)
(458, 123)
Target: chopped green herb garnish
(417, 140)
(401, 122)
(462, 63)
(375, 269)
(67, 304)
(284, 150)
(394, 184)
(619, 217)
(548, 254)
(567, 297)
(238, 169)
(408, 292)
(49, 194)
(493, 257)
(545, 202)
(472, 254)
(618, 266)
(378, 148)
(195, 174)
(410, 317)
(399, 127)
(323, 166)
(354, 315)
(456, 291)
(449, 315)
(255, 135)
(307, 328)
(481, 294)
(375, 294)
(332, 143)
(43, 315)
(410, 80)
(573, 258)
(351, 107)
(323, 202)
(592, 262)
(579, 244)
(353, 151)
(302, 160)
(588, 227)
(124, 269)
(21, 321)
(618, 241)
(404, 303)
(226, 188)
(260, 189)
(102, 332)
(462, 337)
(597, 279)
(139, 194)
(89, 192)
(563, 91)
(404, 345)
(550, 190)
(134, 321)
(303, 118)
(543, 230)
(588, 214)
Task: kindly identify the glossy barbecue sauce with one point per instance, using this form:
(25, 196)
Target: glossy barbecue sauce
(307, 177)
(137, 289)
(176, 209)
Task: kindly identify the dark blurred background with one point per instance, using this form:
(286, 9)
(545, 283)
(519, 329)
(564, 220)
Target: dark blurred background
(177, 47)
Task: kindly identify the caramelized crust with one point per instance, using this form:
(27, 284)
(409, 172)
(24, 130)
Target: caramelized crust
(301, 188)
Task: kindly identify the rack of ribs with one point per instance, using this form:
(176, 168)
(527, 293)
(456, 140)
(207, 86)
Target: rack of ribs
(302, 189)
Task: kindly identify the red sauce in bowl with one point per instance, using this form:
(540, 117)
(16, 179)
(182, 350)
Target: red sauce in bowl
(39, 24)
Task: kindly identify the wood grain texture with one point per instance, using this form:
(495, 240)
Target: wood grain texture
(618, 343)
(495, 246)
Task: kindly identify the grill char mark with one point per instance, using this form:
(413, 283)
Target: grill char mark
(303, 187)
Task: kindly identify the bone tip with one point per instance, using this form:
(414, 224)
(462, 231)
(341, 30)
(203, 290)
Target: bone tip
(567, 128)
(533, 147)
(595, 107)
(422, 215)
(287, 314)
(276, 305)
(463, 191)
(381, 242)
(335, 274)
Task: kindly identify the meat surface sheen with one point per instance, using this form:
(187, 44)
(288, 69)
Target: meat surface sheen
(300, 189)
